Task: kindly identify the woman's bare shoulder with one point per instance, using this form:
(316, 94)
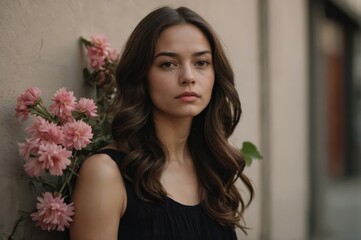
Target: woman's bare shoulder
(100, 166)
(99, 198)
(100, 175)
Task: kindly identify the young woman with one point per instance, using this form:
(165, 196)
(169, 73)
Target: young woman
(170, 173)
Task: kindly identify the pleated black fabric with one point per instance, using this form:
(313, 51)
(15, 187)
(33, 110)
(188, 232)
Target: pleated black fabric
(165, 220)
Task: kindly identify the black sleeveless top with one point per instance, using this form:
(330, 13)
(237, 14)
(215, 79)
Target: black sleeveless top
(165, 220)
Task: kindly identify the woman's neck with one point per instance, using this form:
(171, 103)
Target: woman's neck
(173, 134)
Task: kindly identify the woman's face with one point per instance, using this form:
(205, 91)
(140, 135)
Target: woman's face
(181, 76)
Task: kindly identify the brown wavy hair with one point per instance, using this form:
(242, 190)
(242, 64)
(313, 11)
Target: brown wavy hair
(217, 163)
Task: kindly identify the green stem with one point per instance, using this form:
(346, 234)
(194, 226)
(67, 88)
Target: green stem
(43, 182)
(69, 174)
(46, 113)
(18, 221)
(36, 112)
(41, 111)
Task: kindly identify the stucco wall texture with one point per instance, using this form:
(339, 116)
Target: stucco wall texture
(39, 46)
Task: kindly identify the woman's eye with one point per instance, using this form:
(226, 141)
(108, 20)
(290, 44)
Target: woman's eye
(202, 63)
(167, 65)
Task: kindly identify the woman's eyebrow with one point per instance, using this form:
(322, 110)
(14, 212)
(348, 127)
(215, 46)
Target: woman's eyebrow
(197, 54)
(173, 54)
(166, 53)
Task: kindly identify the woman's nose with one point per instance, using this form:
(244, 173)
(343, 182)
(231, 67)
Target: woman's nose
(187, 76)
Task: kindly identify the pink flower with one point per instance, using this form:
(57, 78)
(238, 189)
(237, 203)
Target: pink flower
(46, 131)
(100, 41)
(33, 129)
(29, 98)
(64, 104)
(33, 167)
(29, 148)
(113, 55)
(77, 134)
(53, 213)
(49, 156)
(54, 157)
(100, 52)
(87, 106)
(96, 58)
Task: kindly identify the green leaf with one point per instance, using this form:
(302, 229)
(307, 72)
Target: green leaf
(85, 42)
(248, 160)
(250, 152)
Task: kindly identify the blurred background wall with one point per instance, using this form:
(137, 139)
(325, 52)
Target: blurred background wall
(334, 93)
(296, 65)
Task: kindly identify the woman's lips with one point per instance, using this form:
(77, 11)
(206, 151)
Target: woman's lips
(188, 96)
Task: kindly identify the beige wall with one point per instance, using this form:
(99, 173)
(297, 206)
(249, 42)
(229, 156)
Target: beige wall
(289, 119)
(39, 47)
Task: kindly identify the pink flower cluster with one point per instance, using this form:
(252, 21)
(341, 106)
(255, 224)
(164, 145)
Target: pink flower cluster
(58, 139)
(52, 141)
(99, 52)
(50, 144)
(53, 213)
